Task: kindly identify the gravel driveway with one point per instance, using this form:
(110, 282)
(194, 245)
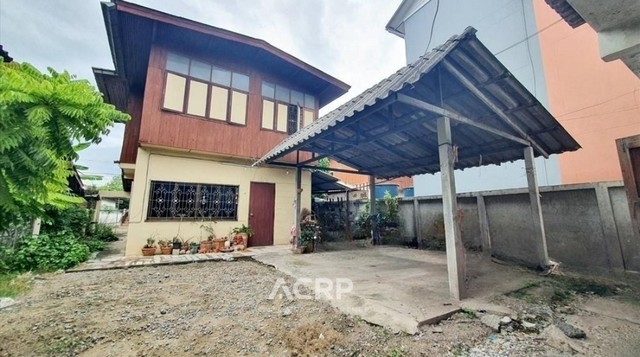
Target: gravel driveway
(216, 309)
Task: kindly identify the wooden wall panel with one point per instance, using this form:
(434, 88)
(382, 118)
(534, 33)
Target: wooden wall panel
(132, 130)
(165, 128)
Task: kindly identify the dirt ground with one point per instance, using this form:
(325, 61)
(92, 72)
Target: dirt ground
(223, 309)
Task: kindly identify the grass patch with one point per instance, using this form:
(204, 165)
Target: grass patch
(12, 284)
(560, 289)
(470, 313)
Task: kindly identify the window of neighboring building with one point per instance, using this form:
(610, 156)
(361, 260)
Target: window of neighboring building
(281, 106)
(178, 200)
(201, 89)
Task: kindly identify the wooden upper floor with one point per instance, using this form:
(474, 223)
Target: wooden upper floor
(195, 87)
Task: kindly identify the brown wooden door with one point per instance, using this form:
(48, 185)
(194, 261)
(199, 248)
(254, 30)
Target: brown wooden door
(629, 155)
(262, 199)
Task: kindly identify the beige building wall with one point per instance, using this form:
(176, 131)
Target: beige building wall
(155, 164)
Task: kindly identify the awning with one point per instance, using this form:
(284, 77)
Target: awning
(322, 182)
(390, 129)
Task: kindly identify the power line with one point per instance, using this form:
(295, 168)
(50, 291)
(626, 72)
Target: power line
(597, 104)
(433, 23)
(528, 37)
(526, 34)
(603, 113)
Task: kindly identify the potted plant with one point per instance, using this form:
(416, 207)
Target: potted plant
(149, 249)
(193, 247)
(243, 231)
(165, 248)
(206, 245)
(307, 236)
(218, 244)
(177, 243)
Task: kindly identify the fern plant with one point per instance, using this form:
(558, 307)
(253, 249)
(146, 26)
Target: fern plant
(45, 120)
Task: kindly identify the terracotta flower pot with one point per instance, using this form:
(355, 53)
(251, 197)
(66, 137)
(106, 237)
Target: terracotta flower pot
(218, 244)
(206, 246)
(165, 250)
(147, 252)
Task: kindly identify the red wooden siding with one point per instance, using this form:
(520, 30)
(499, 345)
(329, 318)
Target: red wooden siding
(132, 130)
(164, 128)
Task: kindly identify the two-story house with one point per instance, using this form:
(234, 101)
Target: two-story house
(204, 103)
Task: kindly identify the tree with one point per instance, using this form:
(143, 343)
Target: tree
(45, 119)
(114, 185)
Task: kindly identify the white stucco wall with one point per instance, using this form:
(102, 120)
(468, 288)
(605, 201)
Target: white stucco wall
(183, 167)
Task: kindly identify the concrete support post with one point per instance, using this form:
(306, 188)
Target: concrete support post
(484, 226)
(372, 210)
(298, 202)
(417, 223)
(540, 240)
(455, 249)
(609, 228)
(347, 219)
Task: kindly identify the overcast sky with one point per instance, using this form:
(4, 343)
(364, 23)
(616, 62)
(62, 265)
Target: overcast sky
(345, 38)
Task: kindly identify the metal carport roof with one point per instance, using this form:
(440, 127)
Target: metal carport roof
(390, 129)
(322, 182)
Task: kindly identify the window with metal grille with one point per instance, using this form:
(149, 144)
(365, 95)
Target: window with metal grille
(178, 200)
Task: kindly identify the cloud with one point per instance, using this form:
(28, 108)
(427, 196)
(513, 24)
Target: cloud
(346, 39)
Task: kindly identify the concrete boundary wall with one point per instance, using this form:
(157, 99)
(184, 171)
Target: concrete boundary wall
(588, 226)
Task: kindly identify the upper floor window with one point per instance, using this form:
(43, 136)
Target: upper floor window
(284, 109)
(201, 89)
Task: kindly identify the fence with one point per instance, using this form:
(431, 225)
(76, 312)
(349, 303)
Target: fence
(587, 226)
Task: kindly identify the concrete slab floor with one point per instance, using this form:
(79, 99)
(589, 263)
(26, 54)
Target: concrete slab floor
(395, 287)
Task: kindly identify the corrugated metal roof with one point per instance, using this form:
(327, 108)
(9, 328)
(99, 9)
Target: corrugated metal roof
(322, 182)
(376, 133)
(567, 12)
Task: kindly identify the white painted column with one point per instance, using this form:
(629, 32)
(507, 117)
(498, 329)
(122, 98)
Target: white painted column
(540, 240)
(455, 249)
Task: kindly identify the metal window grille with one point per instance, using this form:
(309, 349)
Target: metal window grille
(177, 200)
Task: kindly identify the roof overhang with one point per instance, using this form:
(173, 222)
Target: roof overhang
(616, 22)
(132, 29)
(390, 129)
(404, 11)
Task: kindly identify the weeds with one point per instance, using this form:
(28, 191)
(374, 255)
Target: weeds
(12, 284)
(560, 289)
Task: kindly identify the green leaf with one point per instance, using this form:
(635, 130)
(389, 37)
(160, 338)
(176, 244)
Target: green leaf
(81, 146)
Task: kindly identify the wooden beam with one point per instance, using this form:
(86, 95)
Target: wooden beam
(417, 103)
(478, 93)
(455, 249)
(539, 238)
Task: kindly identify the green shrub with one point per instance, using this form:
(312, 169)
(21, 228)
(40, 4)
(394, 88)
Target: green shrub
(95, 245)
(74, 220)
(5, 259)
(104, 233)
(49, 252)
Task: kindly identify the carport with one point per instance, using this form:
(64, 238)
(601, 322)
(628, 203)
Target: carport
(456, 107)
